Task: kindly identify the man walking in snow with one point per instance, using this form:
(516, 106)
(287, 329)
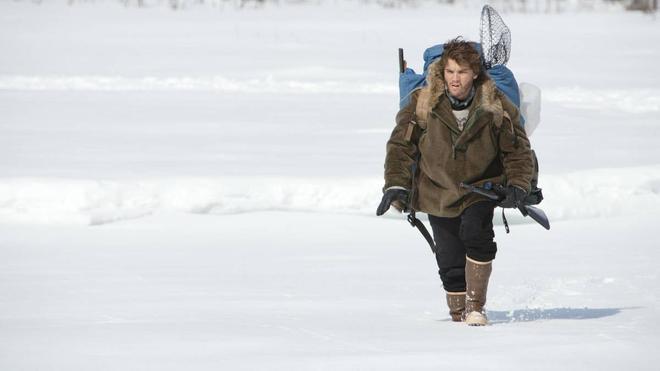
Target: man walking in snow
(459, 128)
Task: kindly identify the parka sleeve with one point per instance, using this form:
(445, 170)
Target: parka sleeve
(401, 152)
(515, 149)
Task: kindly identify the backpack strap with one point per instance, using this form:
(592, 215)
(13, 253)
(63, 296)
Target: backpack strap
(420, 116)
(423, 107)
(421, 112)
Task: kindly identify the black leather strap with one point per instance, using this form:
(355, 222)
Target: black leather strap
(412, 219)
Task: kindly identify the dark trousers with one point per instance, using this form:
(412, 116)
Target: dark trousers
(469, 234)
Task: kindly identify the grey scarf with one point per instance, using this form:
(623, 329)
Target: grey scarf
(459, 105)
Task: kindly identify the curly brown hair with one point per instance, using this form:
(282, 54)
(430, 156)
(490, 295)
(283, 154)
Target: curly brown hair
(465, 54)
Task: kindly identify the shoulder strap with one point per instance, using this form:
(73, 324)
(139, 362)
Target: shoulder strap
(420, 116)
(421, 112)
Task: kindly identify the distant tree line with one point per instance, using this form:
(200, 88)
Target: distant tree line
(524, 6)
(643, 5)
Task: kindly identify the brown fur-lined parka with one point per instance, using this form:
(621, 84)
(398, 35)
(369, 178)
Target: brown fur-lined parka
(492, 147)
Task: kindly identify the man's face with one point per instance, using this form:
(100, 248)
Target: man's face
(459, 79)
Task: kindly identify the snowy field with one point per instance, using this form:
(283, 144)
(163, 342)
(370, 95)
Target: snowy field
(197, 190)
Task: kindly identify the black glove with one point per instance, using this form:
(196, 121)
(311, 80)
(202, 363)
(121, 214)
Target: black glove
(514, 197)
(395, 197)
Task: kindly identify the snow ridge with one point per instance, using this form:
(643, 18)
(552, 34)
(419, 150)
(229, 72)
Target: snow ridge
(588, 194)
(630, 101)
(268, 84)
(335, 82)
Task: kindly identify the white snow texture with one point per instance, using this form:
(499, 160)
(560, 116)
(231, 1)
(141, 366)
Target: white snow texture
(196, 190)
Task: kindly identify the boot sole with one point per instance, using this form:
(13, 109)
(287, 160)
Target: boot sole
(476, 319)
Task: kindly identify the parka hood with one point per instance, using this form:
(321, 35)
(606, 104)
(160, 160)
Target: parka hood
(486, 97)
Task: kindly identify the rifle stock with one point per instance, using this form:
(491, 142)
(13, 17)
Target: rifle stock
(537, 214)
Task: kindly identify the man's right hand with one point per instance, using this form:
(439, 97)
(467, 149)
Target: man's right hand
(395, 197)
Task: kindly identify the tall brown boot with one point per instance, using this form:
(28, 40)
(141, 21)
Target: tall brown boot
(477, 275)
(456, 304)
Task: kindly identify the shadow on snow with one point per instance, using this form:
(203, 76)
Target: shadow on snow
(528, 315)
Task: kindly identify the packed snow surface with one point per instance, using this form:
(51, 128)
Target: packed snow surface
(197, 190)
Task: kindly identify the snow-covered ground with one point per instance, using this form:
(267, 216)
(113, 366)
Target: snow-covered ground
(197, 190)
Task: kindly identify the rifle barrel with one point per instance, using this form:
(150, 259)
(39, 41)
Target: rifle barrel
(484, 192)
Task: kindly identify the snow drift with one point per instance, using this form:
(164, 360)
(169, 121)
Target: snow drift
(585, 194)
(638, 100)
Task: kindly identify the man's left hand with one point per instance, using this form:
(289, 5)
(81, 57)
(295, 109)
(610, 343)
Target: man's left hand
(514, 197)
